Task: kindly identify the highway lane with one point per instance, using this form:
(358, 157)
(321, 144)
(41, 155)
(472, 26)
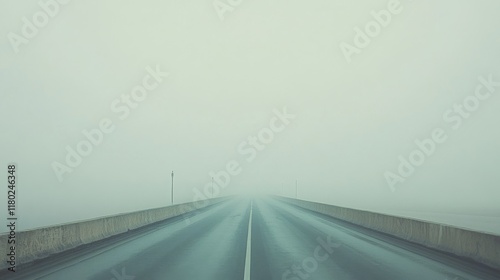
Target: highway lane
(287, 243)
(212, 246)
(291, 243)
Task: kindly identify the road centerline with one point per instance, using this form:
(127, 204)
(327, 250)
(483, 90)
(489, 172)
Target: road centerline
(249, 246)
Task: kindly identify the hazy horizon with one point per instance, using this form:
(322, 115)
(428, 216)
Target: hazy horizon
(334, 123)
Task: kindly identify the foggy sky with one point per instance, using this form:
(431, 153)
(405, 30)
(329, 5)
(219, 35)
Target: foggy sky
(227, 78)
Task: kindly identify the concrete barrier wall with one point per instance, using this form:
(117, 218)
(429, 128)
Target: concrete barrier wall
(40, 243)
(481, 247)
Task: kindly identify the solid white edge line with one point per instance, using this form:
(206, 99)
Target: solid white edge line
(249, 246)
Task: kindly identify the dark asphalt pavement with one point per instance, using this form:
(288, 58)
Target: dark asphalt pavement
(286, 243)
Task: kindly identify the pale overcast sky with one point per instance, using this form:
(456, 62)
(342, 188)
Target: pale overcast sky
(230, 74)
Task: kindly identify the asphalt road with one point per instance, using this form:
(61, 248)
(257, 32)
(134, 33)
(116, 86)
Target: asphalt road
(285, 243)
(291, 243)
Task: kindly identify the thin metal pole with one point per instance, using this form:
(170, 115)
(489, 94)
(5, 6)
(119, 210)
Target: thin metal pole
(172, 196)
(296, 189)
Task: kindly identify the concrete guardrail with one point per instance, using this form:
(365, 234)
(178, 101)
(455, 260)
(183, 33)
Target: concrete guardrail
(40, 243)
(480, 247)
